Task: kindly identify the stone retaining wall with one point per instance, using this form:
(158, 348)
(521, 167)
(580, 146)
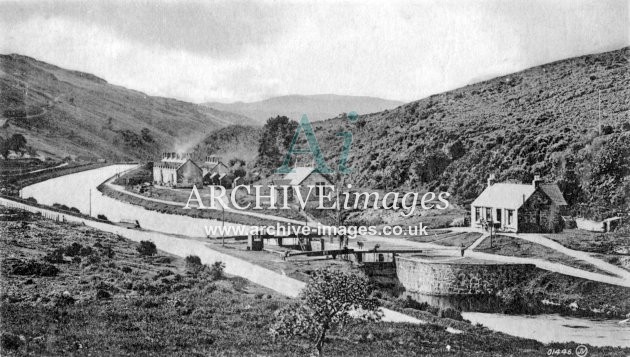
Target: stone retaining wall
(452, 278)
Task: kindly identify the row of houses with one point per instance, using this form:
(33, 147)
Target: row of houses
(180, 171)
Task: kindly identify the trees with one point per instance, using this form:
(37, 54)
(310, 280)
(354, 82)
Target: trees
(146, 135)
(274, 141)
(329, 300)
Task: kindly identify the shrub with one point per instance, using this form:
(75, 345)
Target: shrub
(10, 341)
(607, 129)
(216, 270)
(102, 294)
(148, 302)
(85, 251)
(450, 313)
(102, 217)
(73, 249)
(33, 267)
(93, 259)
(63, 299)
(239, 283)
(55, 257)
(147, 248)
(193, 261)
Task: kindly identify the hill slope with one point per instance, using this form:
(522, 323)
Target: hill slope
(543, 120)
(63, 112)
(317, 107)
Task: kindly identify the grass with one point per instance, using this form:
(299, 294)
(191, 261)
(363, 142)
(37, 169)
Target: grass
(448, 238)
(172, 209)
(586, 241)
(121, 303)
(11, 184)
(516, 247)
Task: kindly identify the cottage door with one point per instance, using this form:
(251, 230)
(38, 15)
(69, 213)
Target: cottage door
(499, 220)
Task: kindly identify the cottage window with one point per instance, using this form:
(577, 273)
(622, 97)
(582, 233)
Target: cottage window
(510, 216)
(477, 214)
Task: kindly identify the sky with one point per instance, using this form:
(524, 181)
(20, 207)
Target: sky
(251, 50)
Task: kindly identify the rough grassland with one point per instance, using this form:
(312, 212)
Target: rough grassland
(109, 300)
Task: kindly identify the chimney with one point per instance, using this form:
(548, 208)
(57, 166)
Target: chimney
(536, 182)
(491, 180)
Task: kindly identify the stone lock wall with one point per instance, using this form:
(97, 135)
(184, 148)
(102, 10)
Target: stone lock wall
(443, 278)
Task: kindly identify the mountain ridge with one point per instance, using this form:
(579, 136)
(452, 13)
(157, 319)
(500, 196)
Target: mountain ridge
(316, 107)
(64, 112)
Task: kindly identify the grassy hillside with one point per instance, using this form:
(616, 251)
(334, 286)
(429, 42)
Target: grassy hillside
(543, 120)
(63, 112)
(231, 142)
(317, 107)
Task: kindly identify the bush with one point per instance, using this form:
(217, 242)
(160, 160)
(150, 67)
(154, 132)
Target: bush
(55, 257)
(216, 270)
(73, 249)
(239, 283)
(102, 217)
(102, 294)
(85, 251)
(147, 248)
(450, 313)
(33, 267)
(10, 341)
(193, 261)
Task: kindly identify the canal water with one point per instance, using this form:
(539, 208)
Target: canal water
(541, 327)
(79, 190)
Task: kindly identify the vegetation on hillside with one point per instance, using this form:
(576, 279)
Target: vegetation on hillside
(63, 112)
(541, 121)
(70, 289)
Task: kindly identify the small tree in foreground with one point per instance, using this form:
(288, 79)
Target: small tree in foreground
(147, 248)
(329, 300)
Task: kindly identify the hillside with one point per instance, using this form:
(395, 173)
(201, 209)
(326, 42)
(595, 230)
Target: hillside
(317, 107)
(231, 142)
(68, 113)
(543, 120)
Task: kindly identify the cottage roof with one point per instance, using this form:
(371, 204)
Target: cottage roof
(174, 165)
(212, 165)
(513, 195)
(298, 174)
(553, 191)
(168, 164)
(504, 195)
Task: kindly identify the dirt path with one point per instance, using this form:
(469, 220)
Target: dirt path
(585, 256)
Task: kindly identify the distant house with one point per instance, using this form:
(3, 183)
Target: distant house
(177, 170)
(304, 177)
(214, 170)
(523, 208)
